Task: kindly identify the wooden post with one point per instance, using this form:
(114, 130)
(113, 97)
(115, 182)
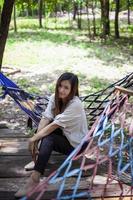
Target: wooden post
(124, 90)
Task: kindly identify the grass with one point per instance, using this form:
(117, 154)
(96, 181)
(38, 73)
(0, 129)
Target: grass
(46, 53)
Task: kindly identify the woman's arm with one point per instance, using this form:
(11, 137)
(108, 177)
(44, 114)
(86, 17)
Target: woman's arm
(43, 123)
(39, 135)
(44, 132)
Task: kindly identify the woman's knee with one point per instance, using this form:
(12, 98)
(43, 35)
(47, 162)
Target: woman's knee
(47, 139)
(46, 143)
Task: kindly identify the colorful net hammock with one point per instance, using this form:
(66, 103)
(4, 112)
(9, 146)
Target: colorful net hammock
(109, 143)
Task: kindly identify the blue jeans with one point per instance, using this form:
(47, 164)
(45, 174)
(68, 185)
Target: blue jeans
(55, 141)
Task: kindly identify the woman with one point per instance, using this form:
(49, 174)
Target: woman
(62, 127)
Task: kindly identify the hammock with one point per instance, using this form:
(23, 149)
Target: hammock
(34, 105)
(103, 133)
(112, 132)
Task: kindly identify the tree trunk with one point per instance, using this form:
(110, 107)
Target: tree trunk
(4, 25)
(14, 17)
(55, 14)
(94, 19)
(105, 17)
(75, 9)
(22, 10)
(88, 19)
(44, 9)
(29, 10)
(128, 8)
(40, 6)
(79, 15)
(117, 34)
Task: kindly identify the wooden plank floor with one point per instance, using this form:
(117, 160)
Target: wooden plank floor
(14, 156)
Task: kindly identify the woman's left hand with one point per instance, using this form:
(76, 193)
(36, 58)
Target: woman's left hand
(33, 148)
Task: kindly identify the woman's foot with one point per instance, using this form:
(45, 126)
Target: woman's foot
(29, 166)
(29, 186)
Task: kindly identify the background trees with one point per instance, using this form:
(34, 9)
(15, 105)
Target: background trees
(99, 17)
(75, 10)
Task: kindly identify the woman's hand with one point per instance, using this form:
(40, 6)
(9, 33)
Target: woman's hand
(33, 148)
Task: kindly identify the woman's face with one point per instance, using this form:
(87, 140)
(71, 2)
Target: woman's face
(64, 89)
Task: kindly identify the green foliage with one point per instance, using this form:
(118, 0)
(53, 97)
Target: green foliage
(56, 8)
(1, 91)
(1, 5)
(30, 132)
(33, 89)
(96, 84)
(23, 82)
(27, 46)
(123, 4)
(1, 2)
(81, 76)
(61, 49)
(28, 86)
(51, 88)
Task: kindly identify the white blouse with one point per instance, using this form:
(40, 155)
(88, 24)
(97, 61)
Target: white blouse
(72, 121)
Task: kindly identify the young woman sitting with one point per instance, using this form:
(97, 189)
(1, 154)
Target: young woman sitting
(62, 127)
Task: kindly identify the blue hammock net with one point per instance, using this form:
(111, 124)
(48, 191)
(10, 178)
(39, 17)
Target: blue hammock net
(31, 104)
(108, 143)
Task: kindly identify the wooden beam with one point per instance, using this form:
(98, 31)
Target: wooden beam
(124, 90)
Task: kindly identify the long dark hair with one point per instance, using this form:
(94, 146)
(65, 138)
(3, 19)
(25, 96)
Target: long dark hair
(73, 79)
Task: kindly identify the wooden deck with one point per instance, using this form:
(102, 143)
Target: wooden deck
(14, 156)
